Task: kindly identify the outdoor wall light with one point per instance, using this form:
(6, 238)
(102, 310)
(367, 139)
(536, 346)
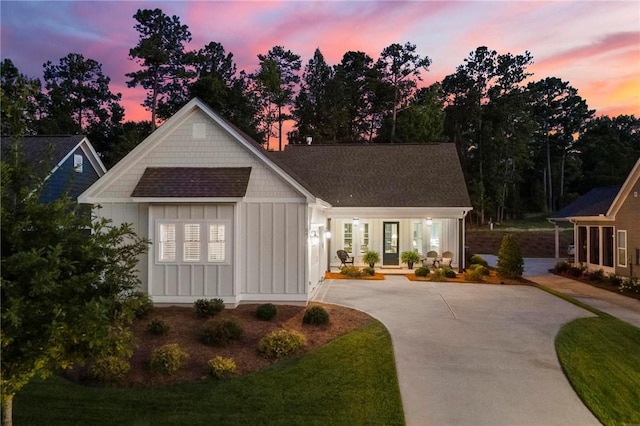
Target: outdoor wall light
(327, 234)
(429, 221)
(356, 221)
(314, 237)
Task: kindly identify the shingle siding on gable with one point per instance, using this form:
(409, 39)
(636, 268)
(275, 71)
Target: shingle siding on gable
(628, 219)
(217, 149)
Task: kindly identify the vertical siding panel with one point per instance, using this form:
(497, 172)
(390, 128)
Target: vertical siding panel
(266, 248)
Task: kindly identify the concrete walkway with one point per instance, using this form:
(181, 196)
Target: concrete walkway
(471, 354)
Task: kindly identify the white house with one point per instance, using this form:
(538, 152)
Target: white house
(230, 220)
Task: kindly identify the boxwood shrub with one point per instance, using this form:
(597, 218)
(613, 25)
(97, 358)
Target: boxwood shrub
(266, 311)
(208, 307)
(219, 332)
(280, 343)
(316, 315)
(168, 359)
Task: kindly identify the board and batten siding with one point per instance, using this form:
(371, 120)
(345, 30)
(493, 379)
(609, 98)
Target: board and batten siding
(182, 282)
(137, 215)
(272, 250)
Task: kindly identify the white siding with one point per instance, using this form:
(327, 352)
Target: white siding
(184, 281)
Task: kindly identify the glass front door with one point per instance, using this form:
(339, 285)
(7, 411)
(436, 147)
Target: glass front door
(390, 255)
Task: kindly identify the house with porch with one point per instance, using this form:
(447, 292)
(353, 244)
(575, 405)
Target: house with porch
(229, 220)
(606, 223)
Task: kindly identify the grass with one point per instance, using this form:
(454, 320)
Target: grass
(601, 358)
(352, 380)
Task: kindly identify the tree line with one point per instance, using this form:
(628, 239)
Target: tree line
(525, 146)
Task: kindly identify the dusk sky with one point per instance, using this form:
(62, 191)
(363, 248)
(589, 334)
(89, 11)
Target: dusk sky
(594, 45)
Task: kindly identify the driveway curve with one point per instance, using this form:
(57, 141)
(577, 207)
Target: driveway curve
(471, 354)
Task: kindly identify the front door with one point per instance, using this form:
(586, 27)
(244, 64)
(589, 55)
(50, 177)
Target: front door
(390, 252)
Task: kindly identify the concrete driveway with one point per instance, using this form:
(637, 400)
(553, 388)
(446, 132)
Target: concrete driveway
(471, 354)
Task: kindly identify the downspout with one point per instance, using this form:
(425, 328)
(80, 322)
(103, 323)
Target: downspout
(461, 242)
(329, 245)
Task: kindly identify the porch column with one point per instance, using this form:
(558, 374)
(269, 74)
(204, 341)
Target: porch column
(461, 251)
(557, 230)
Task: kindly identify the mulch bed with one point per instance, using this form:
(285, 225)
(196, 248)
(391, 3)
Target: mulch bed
(339, 276)
(492, 278)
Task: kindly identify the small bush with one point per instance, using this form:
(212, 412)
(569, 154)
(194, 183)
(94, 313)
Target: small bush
(158, 327)
(631, 285)
(280, 343)
(140, 303)
(220, 367)
(208, 307)
(476, 259)
(613, 280)
(266, 312)
(368, 271)
(510, 262)
(594, 276)
(474, 275)
(438, 275)
(575, 271)
(168, 359)
(109, 369)
(422, 271)
(316, 315)
(561, 267)
(450, 273)
(351, 271)
(220, 332)
(483, 269)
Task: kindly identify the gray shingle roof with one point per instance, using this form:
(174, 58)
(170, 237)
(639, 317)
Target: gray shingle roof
(594, 203)
(193, 182)
(379, 175)
(44, 151)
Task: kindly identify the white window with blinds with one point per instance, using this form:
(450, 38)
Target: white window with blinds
(199, 242)
(167, 243)
(622, 248)
(191, 252)
(217, 243)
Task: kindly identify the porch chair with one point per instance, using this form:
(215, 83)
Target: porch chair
(447, 258)
(344, 258)
(431, 259)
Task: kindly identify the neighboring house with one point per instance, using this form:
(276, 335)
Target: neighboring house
(606, 225)
(66, 163)
(230, 220)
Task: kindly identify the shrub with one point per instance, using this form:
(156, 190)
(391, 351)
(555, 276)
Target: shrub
(316, 315)
(575, 271)
(438, 275)
(368, 271)
(422, 271)
(450, 273)
(510, 262)
(613, 280)
(631, 285)
(266, 312)
(220, 367)
(594, 276)
(474, 275)
(409, 257)
(109, 369)
(158, 327)
(351, 271)
(208, 307)
(140, 303)
(561, 267)
(476, 259)
(280, 343)
(483, 269)
(371, 257)
(220, 332)
(168, 359)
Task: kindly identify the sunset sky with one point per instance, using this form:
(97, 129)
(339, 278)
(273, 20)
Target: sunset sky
(594, 45)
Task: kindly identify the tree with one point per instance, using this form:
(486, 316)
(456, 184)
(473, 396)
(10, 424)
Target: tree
(78, 95)
(510, 262)
(67, 284)
(160, 53)
(400, 67)
(277, 79)
(313, 105)
(560, 114)
(18, 100)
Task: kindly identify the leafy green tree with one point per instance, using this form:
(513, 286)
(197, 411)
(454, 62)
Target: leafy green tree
(18, 100)
(66, 283)
(277, 80)
(510, 261)
(161, 55)
(560, 114)
(78, 95)
(400, 68)
(608, 149)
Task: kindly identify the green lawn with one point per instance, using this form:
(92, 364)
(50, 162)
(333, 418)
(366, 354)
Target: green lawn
(352, 380)
(601, 358)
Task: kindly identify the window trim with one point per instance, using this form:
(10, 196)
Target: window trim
(619, 232)
(203, 242)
